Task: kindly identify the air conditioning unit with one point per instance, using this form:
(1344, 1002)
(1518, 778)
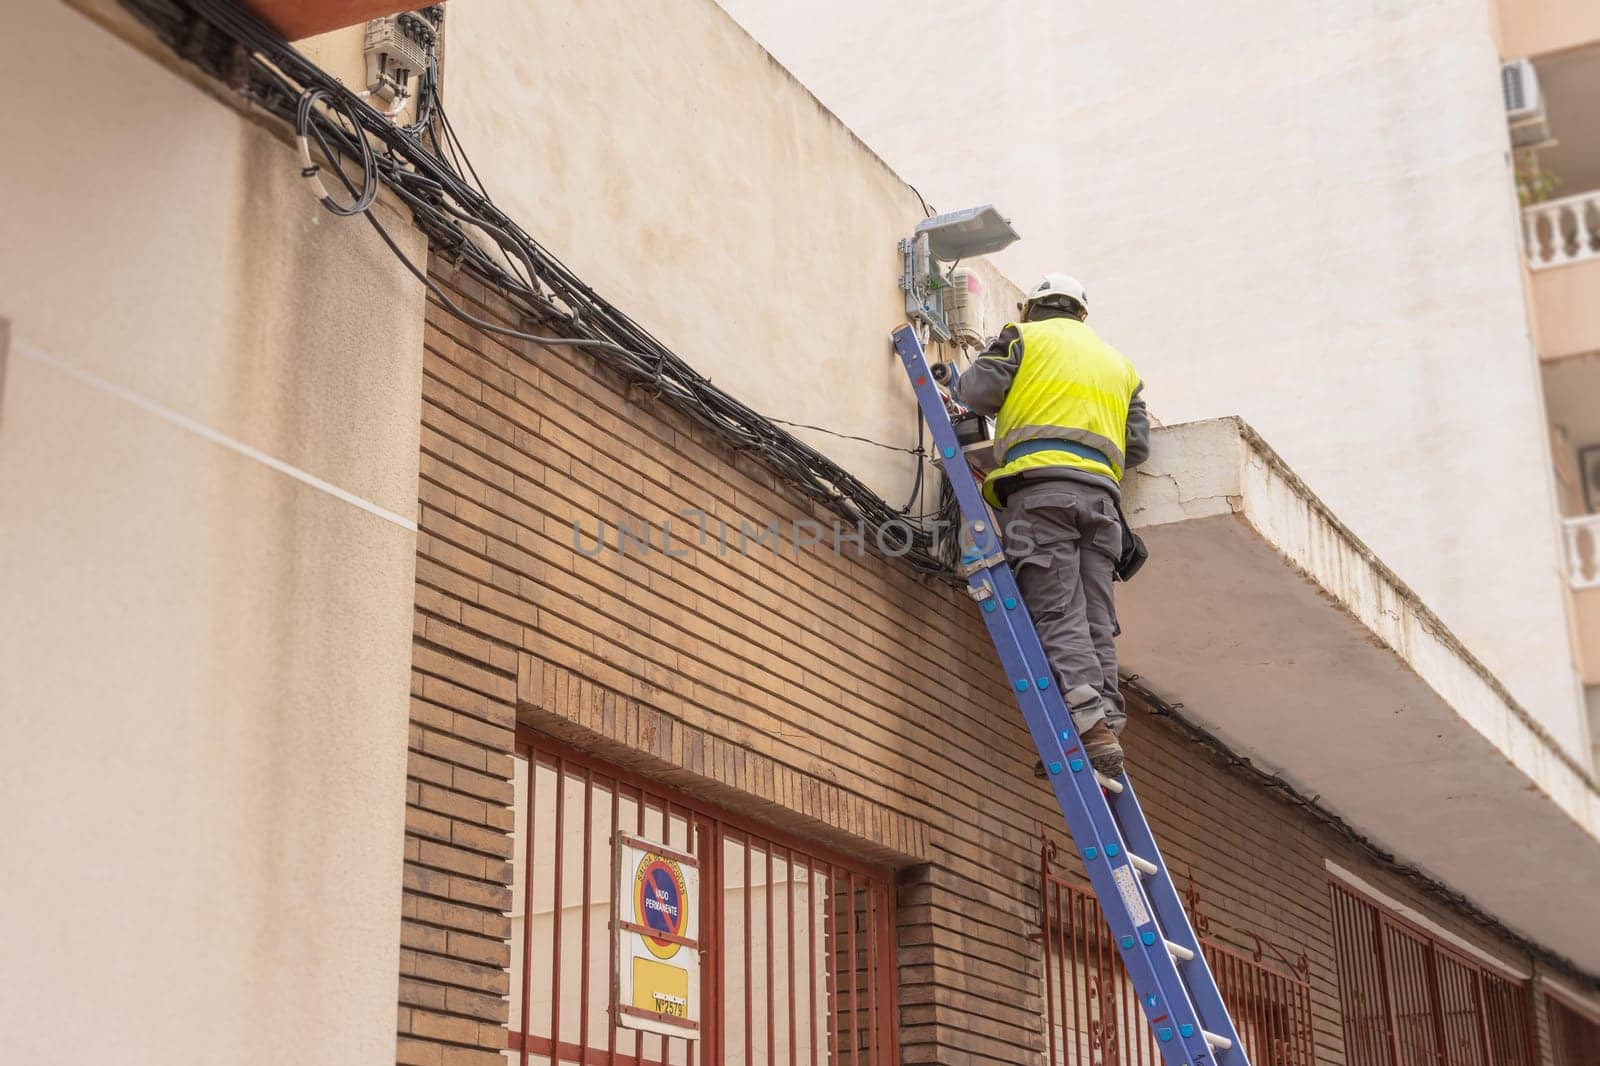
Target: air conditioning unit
(963, 308)
(1524, 106)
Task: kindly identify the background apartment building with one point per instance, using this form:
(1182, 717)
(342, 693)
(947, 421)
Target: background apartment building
(324, 703)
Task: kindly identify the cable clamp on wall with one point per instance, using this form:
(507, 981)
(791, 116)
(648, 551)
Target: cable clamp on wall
(311, 170)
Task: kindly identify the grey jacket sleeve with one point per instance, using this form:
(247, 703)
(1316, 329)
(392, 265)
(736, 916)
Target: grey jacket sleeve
(982, 387)
(1138, 449)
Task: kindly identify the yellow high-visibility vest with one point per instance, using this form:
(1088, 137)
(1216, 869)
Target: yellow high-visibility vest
(1071, 387)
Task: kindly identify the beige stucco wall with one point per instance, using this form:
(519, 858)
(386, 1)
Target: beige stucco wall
(208, 440)
(1566, 303)
(664, 156)
(1538, 27)
(1300, 213)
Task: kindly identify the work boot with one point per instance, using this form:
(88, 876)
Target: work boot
(1103, 748)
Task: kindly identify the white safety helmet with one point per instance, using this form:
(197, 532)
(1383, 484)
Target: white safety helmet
(1058, 285)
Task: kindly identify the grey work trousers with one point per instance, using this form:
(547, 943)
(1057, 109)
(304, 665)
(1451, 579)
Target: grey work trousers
(1062, 538)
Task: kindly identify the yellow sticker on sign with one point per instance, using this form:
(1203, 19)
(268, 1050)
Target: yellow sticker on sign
(661, 988)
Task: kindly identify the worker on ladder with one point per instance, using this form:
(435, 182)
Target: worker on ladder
(1069, 420)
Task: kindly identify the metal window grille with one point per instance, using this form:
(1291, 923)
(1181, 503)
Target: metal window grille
(798, 947)
(1092, 1014)
(1407, 999)
(1574, 1033)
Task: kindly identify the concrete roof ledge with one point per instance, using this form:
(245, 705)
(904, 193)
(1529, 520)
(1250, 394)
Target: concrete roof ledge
(1292, 642)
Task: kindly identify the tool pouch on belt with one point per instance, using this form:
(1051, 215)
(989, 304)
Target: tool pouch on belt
(1134, 553)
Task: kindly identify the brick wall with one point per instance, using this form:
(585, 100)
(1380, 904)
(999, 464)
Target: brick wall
(837, 696)
(457, 880)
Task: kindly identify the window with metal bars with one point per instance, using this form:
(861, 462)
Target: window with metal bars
(1409, 999)
(1092, 1015)
(1574, 1032)
(797, 942)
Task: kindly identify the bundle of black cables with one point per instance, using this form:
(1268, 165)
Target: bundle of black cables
(425, 166)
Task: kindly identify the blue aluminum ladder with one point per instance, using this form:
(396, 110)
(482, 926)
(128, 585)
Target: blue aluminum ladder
(1163, 959)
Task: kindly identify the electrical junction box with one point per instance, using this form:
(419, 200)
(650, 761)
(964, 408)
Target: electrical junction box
(398, 49)
(975, 434)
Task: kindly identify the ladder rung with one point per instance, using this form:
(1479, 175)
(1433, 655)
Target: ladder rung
(1110, 784)
(1178, 951)
(1216, 1041)
(1143, 865)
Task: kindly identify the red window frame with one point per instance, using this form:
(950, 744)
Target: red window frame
(1408, 998)
(847, 1003)
(1574, 1030)
(1089, 999)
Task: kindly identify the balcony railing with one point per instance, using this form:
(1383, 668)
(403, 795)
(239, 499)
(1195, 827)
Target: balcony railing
(1583, 551)
(1562, 231)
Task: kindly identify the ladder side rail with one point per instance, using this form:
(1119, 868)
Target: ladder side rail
(1163, 993)
(1165, 996)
